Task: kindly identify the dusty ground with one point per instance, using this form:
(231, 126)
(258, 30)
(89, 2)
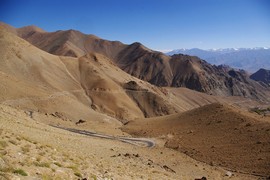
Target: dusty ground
(216, 134)
(45, 152)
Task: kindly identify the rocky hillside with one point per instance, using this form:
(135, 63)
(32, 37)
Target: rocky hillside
(261, 75)
(143, 63)
(88, 86)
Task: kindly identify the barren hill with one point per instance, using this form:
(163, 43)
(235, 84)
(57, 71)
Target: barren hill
(143, 63)
(37, 81)
(32, 78)
(215, 134)
(88, 82)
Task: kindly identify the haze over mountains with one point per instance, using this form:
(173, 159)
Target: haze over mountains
(70, 79)
(249, 59)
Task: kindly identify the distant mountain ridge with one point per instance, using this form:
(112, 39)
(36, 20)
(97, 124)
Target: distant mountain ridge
(250, 59)
(152, 66)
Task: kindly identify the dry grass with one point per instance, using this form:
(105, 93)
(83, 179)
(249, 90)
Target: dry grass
(42, 164)
(14, 142)
(26, 149)
(58, 164)
(3, 144)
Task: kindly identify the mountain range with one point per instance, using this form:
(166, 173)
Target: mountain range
(51, 82)
(148, 65)
(249, 59)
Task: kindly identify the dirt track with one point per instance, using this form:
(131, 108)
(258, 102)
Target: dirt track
(142, 142)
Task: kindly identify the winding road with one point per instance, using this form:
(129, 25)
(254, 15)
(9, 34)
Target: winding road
(142, 142)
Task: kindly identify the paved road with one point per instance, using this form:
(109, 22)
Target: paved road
(135, 141)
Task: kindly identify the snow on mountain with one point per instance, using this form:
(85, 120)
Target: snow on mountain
(250, 59)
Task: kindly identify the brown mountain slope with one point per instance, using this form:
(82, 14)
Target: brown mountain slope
(37, 81)
(69, 43)
(91, 83)
(184, 99)
(148, 65)
(216, 134)
(107, 96)
(186, 71)
(199, 75)
(41, 74)
(262, 75)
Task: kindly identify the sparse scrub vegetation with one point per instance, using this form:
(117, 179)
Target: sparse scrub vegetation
(12, 141)
(58, 164)
(85, 166)
(42, 164)
(26, 139)
(28, 162)
(26, 148)
(6, 168)
(49, 146)
(260, 111)
(46, 177)
(74, 168)
(78, 174)
(3, 152)
(94, 177)
(20, 172)
(3, 144)
(38, 158)
(41, 153)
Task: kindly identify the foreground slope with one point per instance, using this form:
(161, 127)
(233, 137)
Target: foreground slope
(39, 151)
(215, 134)
(141, 62)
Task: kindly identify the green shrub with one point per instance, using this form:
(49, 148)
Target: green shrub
(78, 174)
(20, 171)
(94, 177)
(58, 164)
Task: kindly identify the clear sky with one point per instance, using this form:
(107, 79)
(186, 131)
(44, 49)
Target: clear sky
(158, 24)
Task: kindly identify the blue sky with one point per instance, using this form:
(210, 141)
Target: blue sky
(158, 24)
